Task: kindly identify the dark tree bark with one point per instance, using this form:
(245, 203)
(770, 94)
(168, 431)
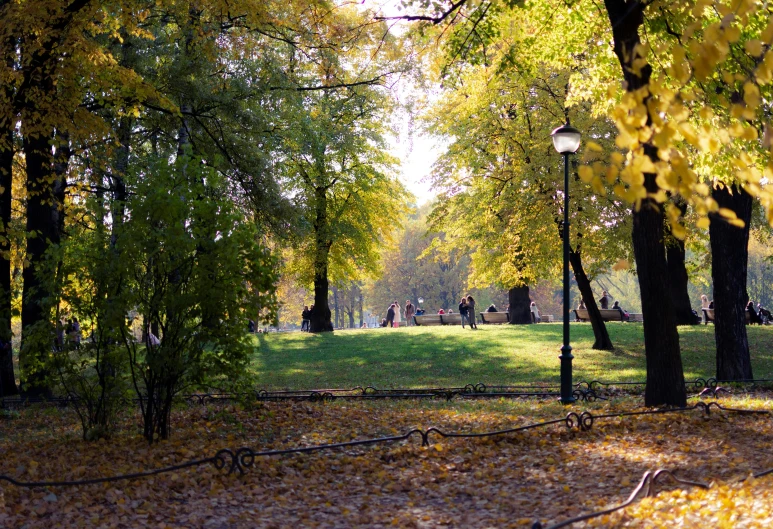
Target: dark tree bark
(351, 306)
(359, 294)
(42, 229)
(320, 316)
(603, 342)
(729, 254)
(665, 375)
(336, 309)
(520, 313)
(678, 277)
(7, 377)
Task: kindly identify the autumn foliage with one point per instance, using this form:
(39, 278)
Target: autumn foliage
(546, 474)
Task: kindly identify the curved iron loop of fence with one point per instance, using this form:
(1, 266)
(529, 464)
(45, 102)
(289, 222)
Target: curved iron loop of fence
(242, 458)
(647, 483)
(236, 461)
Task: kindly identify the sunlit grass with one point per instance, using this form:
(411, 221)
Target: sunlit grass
(494, 355)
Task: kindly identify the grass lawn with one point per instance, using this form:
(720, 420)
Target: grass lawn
(495, 355)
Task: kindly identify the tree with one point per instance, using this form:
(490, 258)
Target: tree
(336, 166)
(172, 281)
(704, 62)
(498, 170)
(419, 265)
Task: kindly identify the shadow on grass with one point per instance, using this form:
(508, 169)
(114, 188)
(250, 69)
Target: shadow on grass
(495, 355)
(434, 356)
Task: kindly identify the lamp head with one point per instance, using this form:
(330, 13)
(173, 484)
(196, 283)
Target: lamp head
(566, 139)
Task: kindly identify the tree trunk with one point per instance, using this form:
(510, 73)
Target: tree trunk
(359, 291)
(603, 342)
(336, 310)
(320, 316)
(7, 377)
(351, 306)
(665, 376)
(520, 309)
(42, 228)
(729, 253)
(678, 278)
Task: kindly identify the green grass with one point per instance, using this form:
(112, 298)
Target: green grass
(494, 355)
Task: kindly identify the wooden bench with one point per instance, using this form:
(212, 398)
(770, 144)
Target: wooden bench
(708, 316)
(495, 317)
(606, 315)
(438, 319)
(451, 319)
(428, 319)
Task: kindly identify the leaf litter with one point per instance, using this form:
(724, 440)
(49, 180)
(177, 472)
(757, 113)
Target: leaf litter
(547, 474)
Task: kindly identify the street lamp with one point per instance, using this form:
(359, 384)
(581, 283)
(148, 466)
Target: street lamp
(566, 140)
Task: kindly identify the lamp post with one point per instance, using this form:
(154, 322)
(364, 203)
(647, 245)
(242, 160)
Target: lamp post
(566, 140)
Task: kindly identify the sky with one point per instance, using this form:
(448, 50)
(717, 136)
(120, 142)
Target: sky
(416, 150)
(417, 155)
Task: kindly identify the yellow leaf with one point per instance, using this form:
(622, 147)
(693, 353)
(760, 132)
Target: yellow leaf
(727, 213)
(753, 47)
(751, 95)
(586, 173)
(593, 146)
(622, 264)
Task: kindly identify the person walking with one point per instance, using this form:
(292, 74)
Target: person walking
(410, 312)
(471, 313)
(305, 318)
(390, 319)
(463, 311)
(398, 319)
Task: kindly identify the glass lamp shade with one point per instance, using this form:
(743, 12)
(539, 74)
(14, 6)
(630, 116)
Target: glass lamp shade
(566, 139)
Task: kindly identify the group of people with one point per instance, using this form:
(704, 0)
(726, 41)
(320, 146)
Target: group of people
(68, 334)
(394, 317)
(306, 317)
(395, 313)
(758, 316)
(604, 304)
(467, 311)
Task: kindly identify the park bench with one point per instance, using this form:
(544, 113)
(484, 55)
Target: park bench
(438, 319)
(606, 315)
(494, 317)
(708, 316)
(504, 317)
(451, 319)
(428, 319)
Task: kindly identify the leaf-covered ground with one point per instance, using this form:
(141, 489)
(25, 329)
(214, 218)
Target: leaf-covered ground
(546, 474)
